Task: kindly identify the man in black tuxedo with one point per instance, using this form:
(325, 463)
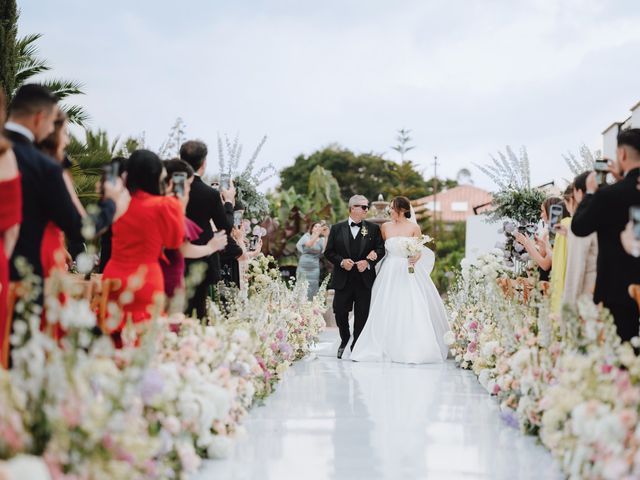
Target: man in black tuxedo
(354, 247)
(605, 210)
(45, 196)
(206, 205)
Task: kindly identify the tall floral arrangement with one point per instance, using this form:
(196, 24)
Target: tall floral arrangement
(247, 180)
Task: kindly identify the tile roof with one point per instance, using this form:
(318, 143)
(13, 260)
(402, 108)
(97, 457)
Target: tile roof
(465, 198)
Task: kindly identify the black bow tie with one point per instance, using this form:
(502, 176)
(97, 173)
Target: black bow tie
(354, 224)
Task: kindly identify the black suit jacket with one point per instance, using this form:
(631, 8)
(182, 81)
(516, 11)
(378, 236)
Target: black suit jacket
(45, 198)
(339, 248)
(607, 213)
(205, 205)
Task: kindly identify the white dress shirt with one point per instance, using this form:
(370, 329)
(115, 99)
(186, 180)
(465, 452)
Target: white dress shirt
(354, 230)
(21, 129)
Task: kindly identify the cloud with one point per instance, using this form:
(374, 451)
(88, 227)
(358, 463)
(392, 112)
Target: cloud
(468, 77)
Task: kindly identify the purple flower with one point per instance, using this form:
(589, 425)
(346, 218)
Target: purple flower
(152, 384)
(286, 349)
(509, 227)
(510, 418)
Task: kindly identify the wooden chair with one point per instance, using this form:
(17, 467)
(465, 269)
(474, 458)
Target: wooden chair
(100, 302)
(634, 292)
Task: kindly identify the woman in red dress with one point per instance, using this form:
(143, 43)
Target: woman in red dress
(10, 217)
(151, 223)
(53, 253)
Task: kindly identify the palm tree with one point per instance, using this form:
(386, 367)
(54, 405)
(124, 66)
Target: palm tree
(89, 158)
(30, 64)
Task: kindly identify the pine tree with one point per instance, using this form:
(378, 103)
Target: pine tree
(8, 33)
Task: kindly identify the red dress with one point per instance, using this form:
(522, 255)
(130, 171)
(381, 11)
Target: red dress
(52, 251)
(10, 215)
(52, 257)
(151, 223)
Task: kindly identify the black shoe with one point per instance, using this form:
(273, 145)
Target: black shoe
(340, 352)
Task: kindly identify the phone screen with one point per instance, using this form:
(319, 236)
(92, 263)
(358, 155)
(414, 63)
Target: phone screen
(225, 181)
(237, 218)
(179, 179)
(634, 216)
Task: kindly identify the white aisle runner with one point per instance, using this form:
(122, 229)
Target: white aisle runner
(340, 420)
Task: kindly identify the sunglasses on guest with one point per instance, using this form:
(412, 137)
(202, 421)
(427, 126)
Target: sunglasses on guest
(363, 207)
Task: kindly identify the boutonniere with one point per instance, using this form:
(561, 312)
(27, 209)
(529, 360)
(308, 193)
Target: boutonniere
(363, 231)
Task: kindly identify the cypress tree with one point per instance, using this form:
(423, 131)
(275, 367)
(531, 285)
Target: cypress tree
(8, 54)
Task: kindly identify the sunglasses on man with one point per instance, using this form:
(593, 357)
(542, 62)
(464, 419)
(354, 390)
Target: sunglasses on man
(363, 207)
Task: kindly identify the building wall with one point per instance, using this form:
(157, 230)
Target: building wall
(481, 236)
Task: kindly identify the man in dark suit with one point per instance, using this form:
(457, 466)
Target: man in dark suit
(45, 196)
(354, 247)
(605, 210)
(206, 205)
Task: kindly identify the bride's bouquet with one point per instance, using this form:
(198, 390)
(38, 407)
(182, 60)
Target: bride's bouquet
(413, 246)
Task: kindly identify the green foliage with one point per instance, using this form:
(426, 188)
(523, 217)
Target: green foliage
(89, 157)
(29, 64)
(324, 190)
(403, 146)
(292, 214)
(449, 253)
(523, 205)
(367, 174)
(8, 53)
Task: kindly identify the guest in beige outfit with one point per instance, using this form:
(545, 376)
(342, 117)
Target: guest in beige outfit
(582, 253)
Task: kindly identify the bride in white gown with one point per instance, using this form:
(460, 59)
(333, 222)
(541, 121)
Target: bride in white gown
(407, 320)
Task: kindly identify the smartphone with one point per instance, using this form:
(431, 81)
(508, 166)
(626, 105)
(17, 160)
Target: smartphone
(601, 168)
(179, 179)
(634, 216)
(253, 243)
(555, 215)
(237, 218)
(112, 172)
(225, 181)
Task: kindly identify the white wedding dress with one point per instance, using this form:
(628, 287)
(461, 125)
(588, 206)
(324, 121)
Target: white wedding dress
(407, 320)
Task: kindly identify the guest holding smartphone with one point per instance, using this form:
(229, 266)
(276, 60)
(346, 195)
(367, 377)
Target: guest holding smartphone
(179, 178)
(136, 251)
(311, 247)
(582, 253)
(605, 211)
(559, 223)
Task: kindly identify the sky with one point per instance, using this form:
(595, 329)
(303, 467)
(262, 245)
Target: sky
(467, 77)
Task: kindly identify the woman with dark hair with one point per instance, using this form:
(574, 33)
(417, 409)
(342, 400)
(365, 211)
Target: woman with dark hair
(582, 253)
(53, 254)
(151, 223)
(407, 320)
(539, 248)
(311, 247)
(118, 164)
(560, 251)
(172, 263)
(10, 218)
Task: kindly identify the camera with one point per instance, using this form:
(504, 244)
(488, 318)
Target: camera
(601, 168)
(179, 179)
